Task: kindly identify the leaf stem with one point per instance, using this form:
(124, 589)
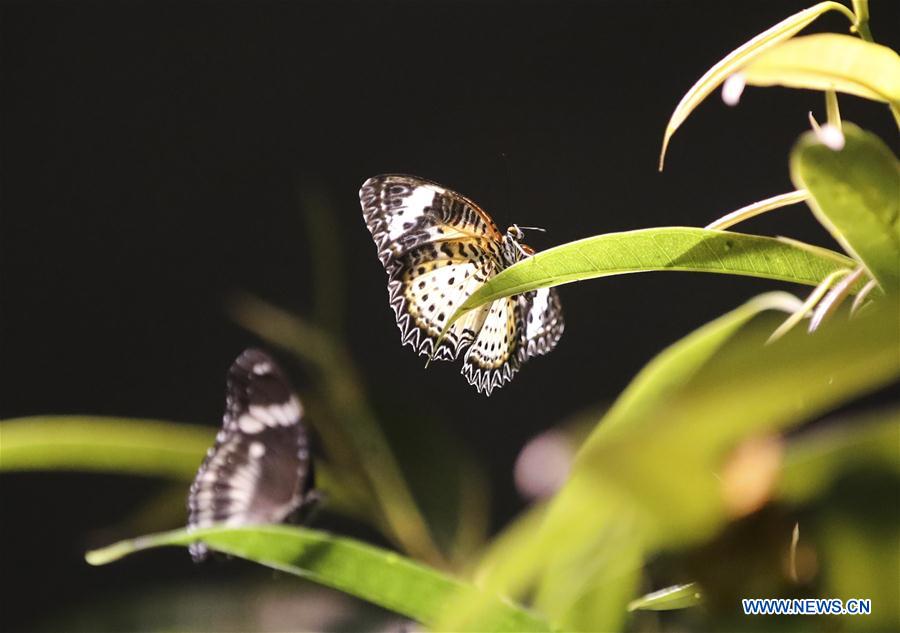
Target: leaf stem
(832, 110)
(814, 297)
(758, 208)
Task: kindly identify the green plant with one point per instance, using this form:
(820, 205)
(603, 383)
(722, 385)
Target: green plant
(655, 480)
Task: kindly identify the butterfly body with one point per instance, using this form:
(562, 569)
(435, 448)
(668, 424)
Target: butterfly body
(437, 248)
(260, 469)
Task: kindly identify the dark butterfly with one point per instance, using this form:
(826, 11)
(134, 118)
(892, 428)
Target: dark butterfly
(438, 247)
(260, 469)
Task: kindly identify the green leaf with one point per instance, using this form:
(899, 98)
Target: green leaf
(666, 248)
(739, 57)
(674, 597)
(855, 194)
(829, 61)
(127, 446)
(118, 445)
(379, 576)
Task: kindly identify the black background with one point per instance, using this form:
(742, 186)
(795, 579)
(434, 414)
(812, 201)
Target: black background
(154, 156)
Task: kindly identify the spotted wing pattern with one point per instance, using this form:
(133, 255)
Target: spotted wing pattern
(437, 248)
(260, 469)
(544, 322)
(496, 355)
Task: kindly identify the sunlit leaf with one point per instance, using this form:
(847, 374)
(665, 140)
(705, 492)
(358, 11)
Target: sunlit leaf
(757, 208)
(674, 597)
(659, 249)
(855, 194)
(711, 80)
(379, 576)
(829, 61)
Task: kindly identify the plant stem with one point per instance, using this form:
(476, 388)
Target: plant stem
(861, 23)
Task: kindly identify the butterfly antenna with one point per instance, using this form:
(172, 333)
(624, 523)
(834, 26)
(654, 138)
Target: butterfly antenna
(534, 228)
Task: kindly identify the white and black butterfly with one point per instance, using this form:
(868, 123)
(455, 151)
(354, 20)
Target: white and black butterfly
(438, 247)
(260, 469)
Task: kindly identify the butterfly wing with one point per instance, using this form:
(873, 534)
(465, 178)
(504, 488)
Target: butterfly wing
(497, 352)
(403, 212)
(544, 323)
(260, 469)
(437, 247)
(516, 328)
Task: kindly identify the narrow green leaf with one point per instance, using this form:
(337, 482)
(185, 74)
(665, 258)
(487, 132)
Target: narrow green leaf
(674, 597)
(119, 445)
(127, 446)
(739, 57)
(666, 248)
(829, 61)
(379, 576)
(855, 194)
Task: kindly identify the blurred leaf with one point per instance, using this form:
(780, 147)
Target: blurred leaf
(588, 588)
(582, 511)
(379, 576)
(652, 461)
(739, 57)
(676, 366)
(119, 445)
(815, 459)
(830, 61)
(860, 561)
(666, 458)
(855, 194)
(667, 248)
(125, 446)
(356, 439)
(674, 597)
(448, 486)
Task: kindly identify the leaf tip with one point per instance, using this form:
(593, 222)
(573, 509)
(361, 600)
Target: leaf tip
(98, 557)
(665, 146)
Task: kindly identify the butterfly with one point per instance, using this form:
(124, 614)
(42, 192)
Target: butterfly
(437, 248)
(260, 469)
